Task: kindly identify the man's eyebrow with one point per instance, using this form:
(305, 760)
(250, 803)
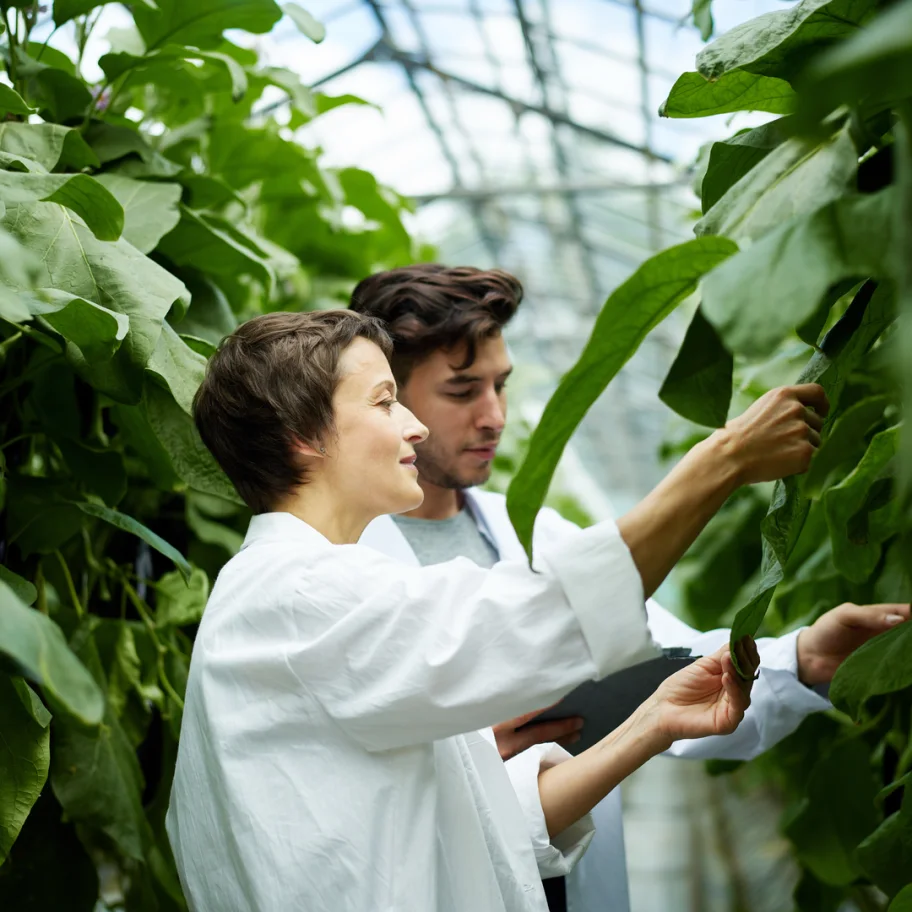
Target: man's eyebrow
(463, 379)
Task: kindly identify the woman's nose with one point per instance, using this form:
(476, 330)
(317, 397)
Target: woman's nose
(415, 431)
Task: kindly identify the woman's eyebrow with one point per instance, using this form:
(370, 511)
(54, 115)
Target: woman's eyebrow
(384, 385)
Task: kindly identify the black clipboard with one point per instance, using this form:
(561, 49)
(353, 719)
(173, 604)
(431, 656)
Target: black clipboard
(604, 704)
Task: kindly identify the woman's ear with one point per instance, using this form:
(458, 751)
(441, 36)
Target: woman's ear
(314, 451)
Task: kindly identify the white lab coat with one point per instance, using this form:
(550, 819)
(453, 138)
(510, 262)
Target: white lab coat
(779, 701)
(330, 757)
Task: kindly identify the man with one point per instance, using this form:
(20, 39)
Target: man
(452, 366)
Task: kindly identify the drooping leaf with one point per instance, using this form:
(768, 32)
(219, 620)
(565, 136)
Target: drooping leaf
(176, 365)
(902, 902)
(637, 306)
(37, 650)
(699, 383)
(695, 96)
(24, 760)
(115, 143)
(65, 10)
(179, 601)
(305, 22)
(114, 275)
(886, 855)
(825, 831)
(758, 296)
(82, 194)
(11, 102)
(730, 160)
(134, 527)
(701, 12)
(50, 145)
(100, 469)
(855, 550)
(95, 330)
(326, 103)
(882, 665)
(52, 84)
(22, 588)
(795, 178)
(202, 22)
(779, 43)
(150, 208)
(874, 66)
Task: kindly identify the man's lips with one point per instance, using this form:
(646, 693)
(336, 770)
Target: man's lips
(485, 452)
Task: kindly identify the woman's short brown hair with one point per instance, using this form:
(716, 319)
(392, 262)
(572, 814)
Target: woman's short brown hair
(271, 382)
(429, 306)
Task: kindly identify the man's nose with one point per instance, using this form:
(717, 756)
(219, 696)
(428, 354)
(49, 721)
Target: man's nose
(491, 412)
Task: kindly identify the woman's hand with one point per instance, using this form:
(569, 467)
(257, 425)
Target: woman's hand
(707, 697)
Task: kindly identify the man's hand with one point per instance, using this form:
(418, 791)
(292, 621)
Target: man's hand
(707, 697)
(834, 636)
(778, 434)
(511, 742)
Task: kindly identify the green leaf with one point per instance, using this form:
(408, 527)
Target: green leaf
(114, 275)
(730, 160)
(112, 143)
(840, 351)
(178, 366)
(52, 84)
(24, 760)
(764, 292)
(38, 519)
(886, 855)
(635, 308)
(779, 43)
(23, 589)
(844, 442)
(236, 72)
(882, 665)
(795, 178)
(179, 601)
(202, 22)
(836, 815)
(902, 902)
(100, 470)
(701, 12)
(306, 23)
(855, 551)
(82, 194)
(134, 527)
(36, 647)
(874, 66)
(209, 316)
(699, 383)
(11, 102)
(50, 145)
(95, 330)
(326, 103)
(150, 208)
(207, 242)
(695, 96)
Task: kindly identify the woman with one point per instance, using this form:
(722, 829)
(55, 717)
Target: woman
(334, 754)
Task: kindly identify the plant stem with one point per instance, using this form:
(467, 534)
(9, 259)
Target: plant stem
(41, 601)
(80, 611)
(13, 46)
(44, 46)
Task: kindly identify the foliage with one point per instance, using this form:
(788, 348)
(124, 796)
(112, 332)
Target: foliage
(816, 285)
(141, 218)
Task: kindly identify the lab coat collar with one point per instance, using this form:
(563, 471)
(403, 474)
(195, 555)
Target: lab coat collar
(282, 527)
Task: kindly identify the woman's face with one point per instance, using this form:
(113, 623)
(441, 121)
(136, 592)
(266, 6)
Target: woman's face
(370, 460)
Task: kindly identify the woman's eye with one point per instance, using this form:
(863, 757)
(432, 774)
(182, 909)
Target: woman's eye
(388, 403)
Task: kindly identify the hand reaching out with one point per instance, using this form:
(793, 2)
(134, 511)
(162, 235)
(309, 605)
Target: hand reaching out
(707, 697)
(511, 742)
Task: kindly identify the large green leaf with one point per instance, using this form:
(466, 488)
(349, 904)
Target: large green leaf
(82, 194)
(699, 383)
(902, 902)
(134, 527)
(758, 296)
(731, 159)
(202, 22)
(840, 351)
(635, 308)
(881, 666)
(36, 648)
(779, 43)
(825, 831)
(128, 147)
(65, 10)
(874, 66)
(51, 145)
(695, 96)
(150, 208)
(886, 855)
(179, 601)
(52, 85)
(856, 550)
(11, 102)
(95, 330)
(22, 588)
(24, 759)
(114, 275)
(795, 178)
(177, 366)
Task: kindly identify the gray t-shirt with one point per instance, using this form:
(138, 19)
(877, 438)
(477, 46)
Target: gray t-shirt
(436, 541)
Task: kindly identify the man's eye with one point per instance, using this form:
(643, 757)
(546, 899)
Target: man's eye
(500, 387)
(466, 395)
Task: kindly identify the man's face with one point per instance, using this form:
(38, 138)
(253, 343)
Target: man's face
(464, 411)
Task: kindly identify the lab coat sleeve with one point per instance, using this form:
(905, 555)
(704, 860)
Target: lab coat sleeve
(779, 701)
(399, 655)
(558, 856)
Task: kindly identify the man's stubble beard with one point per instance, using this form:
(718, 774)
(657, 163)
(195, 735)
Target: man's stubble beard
(433, 470)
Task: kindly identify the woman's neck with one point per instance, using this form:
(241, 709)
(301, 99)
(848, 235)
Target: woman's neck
(323, 513)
